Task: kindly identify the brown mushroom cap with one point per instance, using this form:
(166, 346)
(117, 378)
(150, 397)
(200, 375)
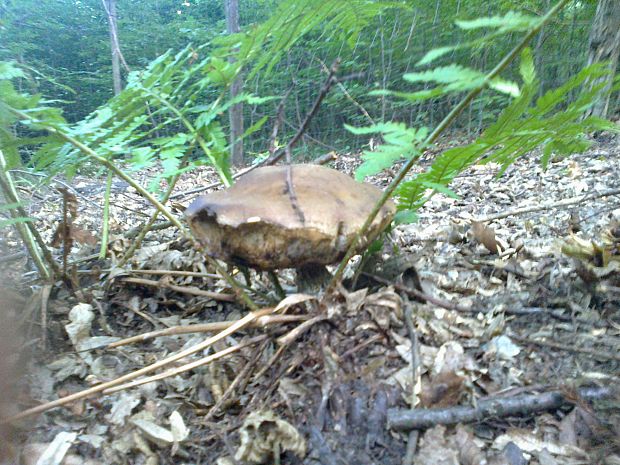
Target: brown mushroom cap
(254, 222)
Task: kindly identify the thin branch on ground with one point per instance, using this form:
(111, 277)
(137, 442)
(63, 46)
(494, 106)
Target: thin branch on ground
(268, 320)
(193, 274)
(285, 341)
(243, 375)
(522, 405)
(239, 325)
(525, 311)
(133, 232)
(550, 205)
(412, 440)
(192, 290)
(186, 367)
(595, 353)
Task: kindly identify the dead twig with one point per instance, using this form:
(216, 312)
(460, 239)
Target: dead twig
(595, 353)
(186, 367)
(268, 320)
(194, 274)
(285, 341)
(526, 311)
(412, 440)
(550, 205)
(239, 325)
(278, 122)
(349, 97)
(406, 420)
(423, 296)
(192, 290)
(243, 375)
(133, 232)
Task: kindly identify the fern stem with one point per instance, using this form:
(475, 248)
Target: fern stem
(147, 227)
(238, 290)
(226, 180)
(441, 127)
(106, 217)
(27, 231)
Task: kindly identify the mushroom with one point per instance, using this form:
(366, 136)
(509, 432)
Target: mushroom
(260, 224)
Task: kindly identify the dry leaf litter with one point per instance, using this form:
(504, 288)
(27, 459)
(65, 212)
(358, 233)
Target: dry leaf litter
(534, 308)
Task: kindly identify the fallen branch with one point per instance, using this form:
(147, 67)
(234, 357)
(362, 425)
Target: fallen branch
(268, 320)
(186, 367)
(525, 311)
(240, 324)
(405, 420)
(595, 353)
(550, 205)
(192, 290)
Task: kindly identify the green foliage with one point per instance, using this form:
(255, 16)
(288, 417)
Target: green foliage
(158, 119)
(4, 208)
(400, 142)
(68, 42)
(524, 125)
(510, 22)
(455, 79)
(11, 141)
(292, 21)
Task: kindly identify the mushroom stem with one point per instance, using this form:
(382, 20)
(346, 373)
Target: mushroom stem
(273, 277)
(312, 277)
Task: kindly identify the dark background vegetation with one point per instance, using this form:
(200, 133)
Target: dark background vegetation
(68, 42)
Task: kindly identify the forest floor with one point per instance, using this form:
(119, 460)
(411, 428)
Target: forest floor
(509, 317)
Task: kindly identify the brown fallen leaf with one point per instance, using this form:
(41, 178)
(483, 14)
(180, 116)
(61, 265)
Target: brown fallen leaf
(485, 235)
(442, 390)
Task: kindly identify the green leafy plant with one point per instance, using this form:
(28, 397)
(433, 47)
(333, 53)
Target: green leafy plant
(7, 208)
(524, 125)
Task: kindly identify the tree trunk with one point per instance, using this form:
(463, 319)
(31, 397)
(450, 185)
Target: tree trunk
(110, 8)
(236, 111)
(605, 46)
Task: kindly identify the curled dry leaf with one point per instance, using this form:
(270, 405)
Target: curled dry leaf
(263, 433)
(436, 449)
(385, 307)
(469, 451)
(56, 451)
